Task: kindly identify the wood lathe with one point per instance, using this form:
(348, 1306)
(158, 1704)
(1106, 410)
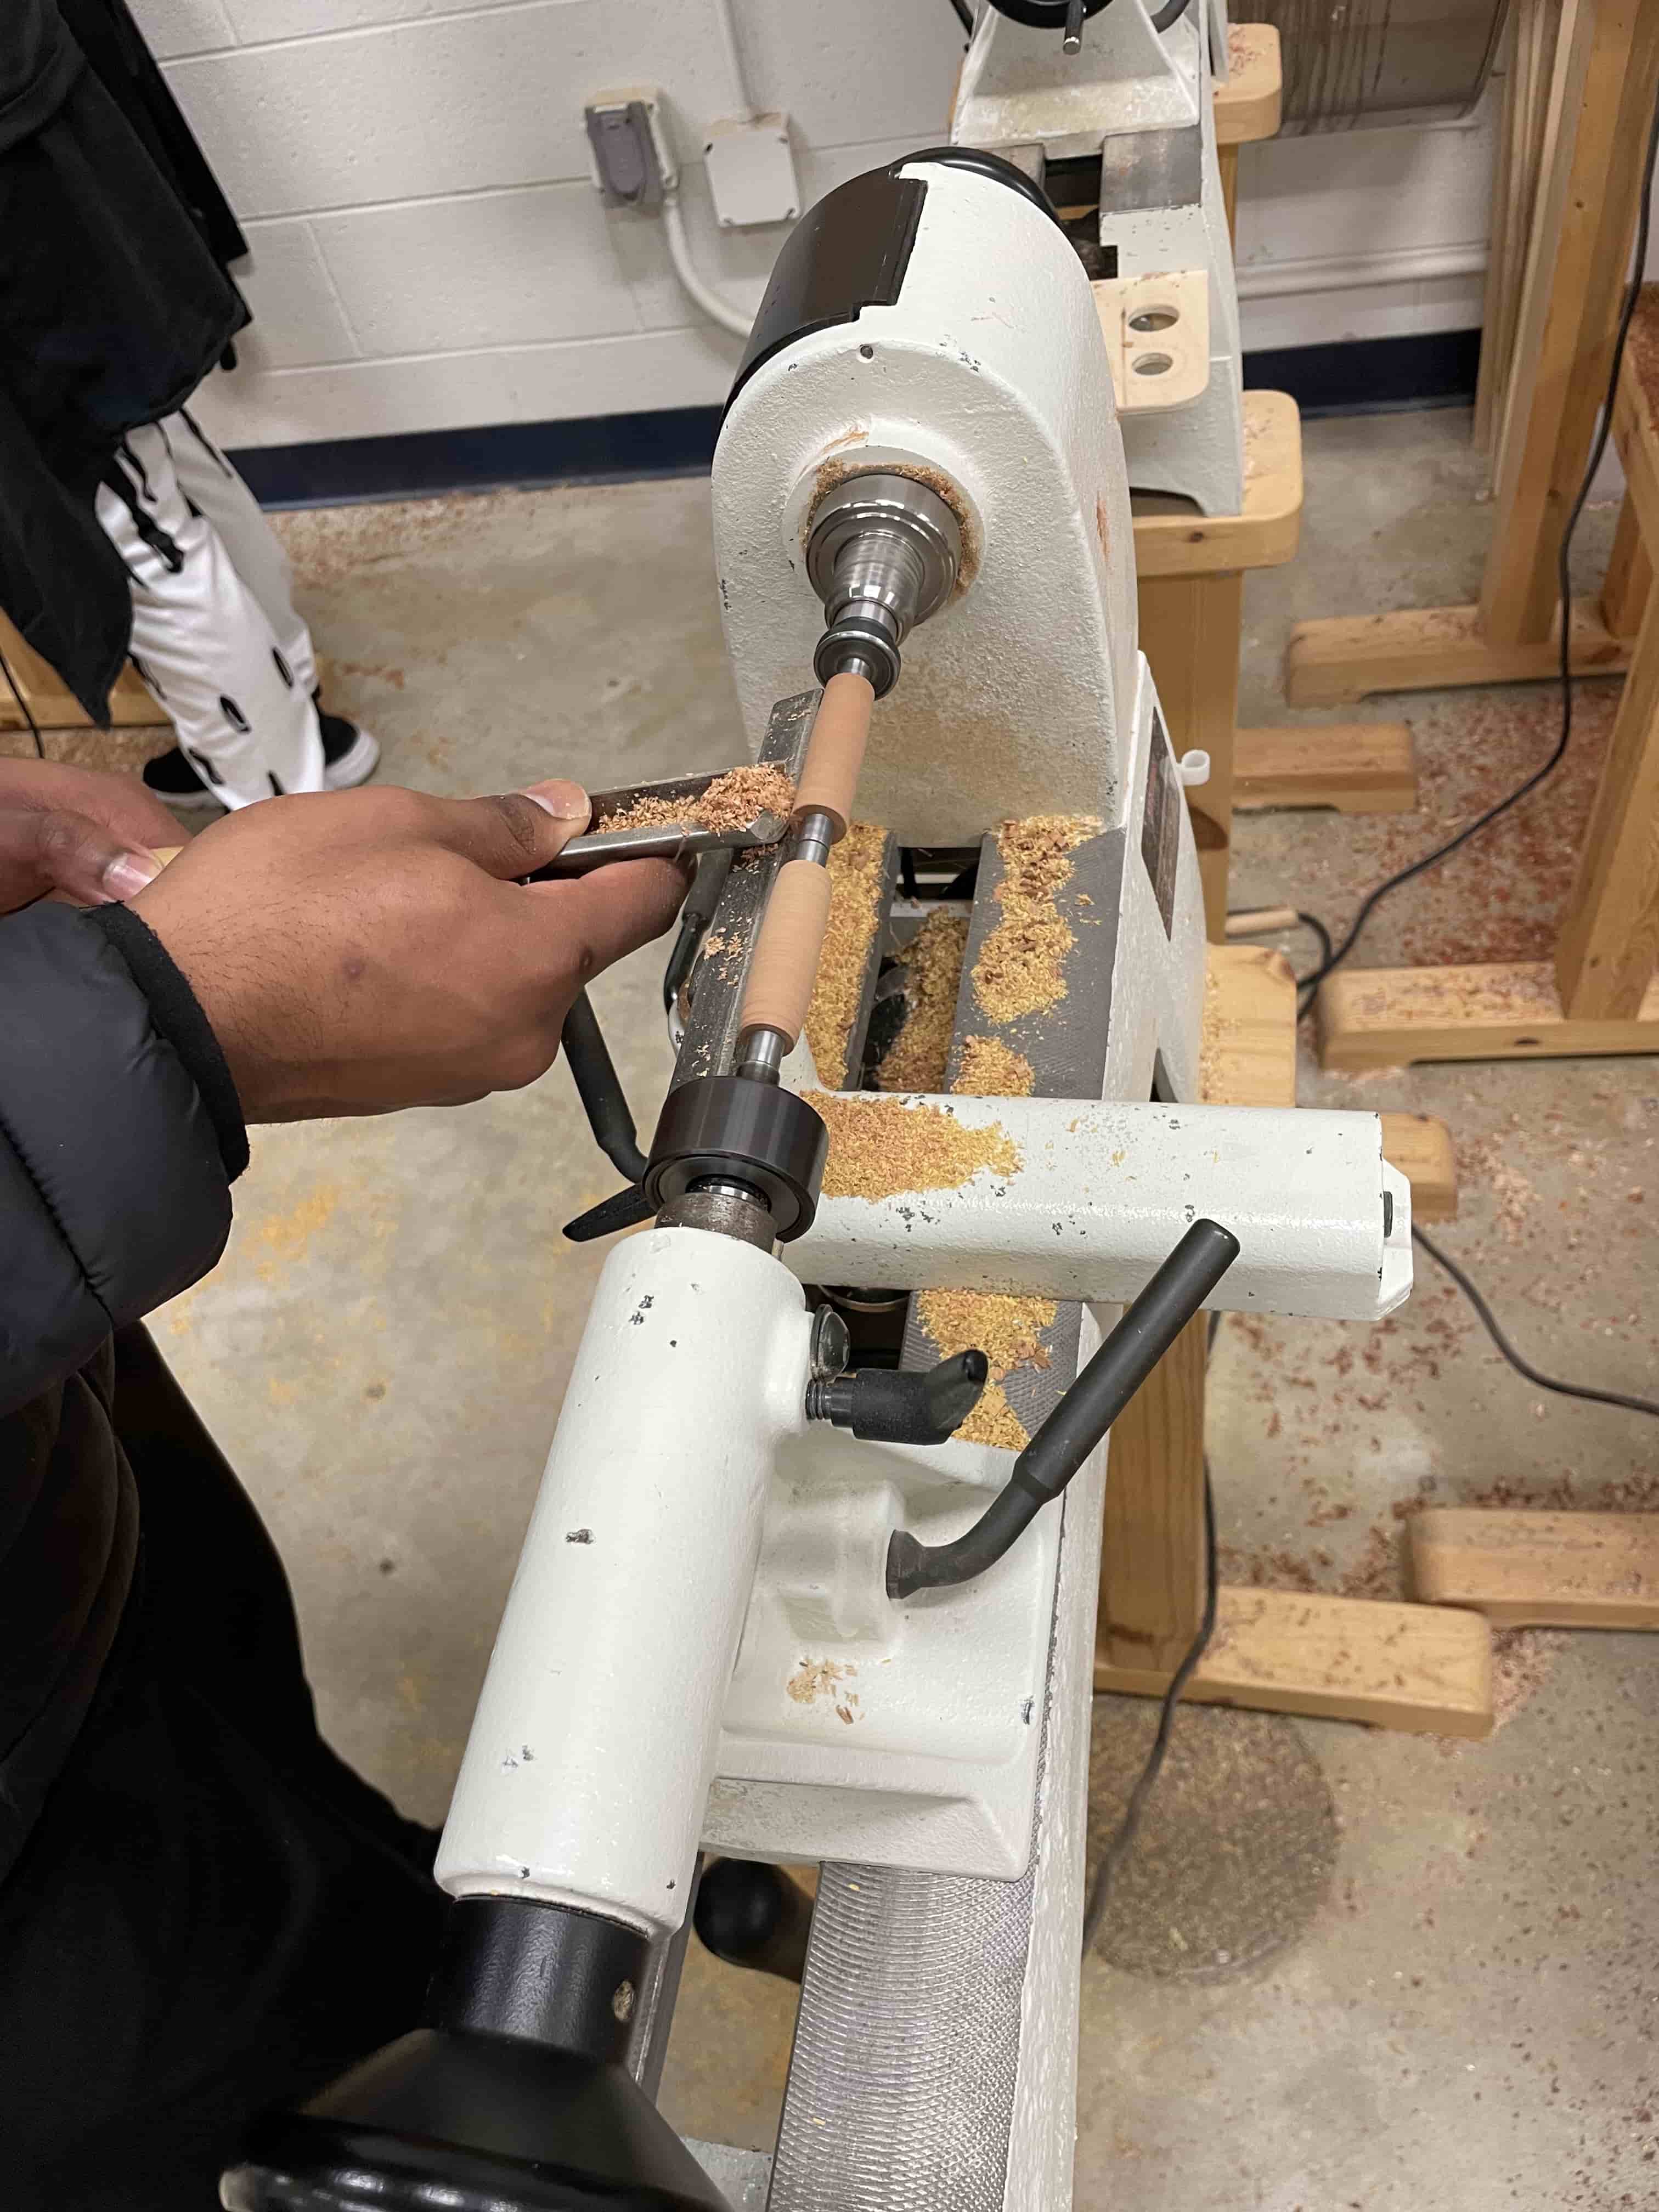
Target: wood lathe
(777, 1600)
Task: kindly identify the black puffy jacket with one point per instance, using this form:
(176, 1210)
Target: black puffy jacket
(120, 1134)
(115, 308)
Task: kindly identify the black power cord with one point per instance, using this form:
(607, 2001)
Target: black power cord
(1118, 1849)
(1523, 1366)
(1309, 983)
(24, 708)
(964, 16)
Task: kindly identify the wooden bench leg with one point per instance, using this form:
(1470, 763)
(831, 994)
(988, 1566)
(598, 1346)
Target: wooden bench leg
(1629, 579)
(1226, 160)
(1151, 1561)
(1609, 939)
(1190, 632)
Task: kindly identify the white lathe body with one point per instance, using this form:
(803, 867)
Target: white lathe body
(702, 1646)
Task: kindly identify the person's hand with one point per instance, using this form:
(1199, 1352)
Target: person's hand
(362, 950)
(81, 832)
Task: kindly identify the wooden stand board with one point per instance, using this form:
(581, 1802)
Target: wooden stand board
(1247, 107)
(1416, 1667)
(1358, 768)
(1396, 1666)
(1191, 590)
(1336, 662)
(1390, 1016)
(1541, 1570)
(51, 702)
(1420, 1147)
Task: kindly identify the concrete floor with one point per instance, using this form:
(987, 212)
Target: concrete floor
(1468, 2021)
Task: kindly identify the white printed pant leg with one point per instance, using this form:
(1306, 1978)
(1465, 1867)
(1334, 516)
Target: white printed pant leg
(210, 483)
(201, 639)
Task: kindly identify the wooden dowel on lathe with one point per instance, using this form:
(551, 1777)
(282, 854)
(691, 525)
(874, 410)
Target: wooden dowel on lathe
(835, 751)
(785, 964)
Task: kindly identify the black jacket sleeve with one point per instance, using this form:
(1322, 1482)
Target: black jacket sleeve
(120, 1137)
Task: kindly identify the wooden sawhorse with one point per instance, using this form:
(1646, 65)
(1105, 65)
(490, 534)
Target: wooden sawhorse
(1600, 994)
(1415, 1667)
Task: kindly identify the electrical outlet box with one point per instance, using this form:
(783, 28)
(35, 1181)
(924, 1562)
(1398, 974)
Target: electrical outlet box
(627, 148)
(751, 173)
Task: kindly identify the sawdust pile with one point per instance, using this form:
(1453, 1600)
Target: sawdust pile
(880, 1148)
(993, 1421)
(1009, 1332)
(733, 801)
(1021, 969)
(933, 961)
(1213, 1041)
(855, 888)
(991, 1069)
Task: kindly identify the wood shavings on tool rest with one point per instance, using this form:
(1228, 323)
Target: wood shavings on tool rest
(882, 1147)
(733, 801)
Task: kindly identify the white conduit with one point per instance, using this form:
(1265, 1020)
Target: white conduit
(701, 294)
(746, 109)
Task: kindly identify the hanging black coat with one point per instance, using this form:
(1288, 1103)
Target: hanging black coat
(113, 305)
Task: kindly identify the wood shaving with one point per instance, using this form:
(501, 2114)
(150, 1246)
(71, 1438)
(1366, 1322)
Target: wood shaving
(933, 959)
(856, 885)
(993, 1421)
(1009, 1332)
(1215, 1039)
(1021, 969)
(991, 1069)
(733, 801)
(883, 1148)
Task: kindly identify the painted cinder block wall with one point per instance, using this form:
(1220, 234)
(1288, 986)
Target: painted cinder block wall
(428, 253)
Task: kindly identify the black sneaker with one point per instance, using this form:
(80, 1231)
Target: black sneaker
(351, 756)
(173, 779)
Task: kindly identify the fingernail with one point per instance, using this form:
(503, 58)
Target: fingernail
(565, 802)
(128, 872)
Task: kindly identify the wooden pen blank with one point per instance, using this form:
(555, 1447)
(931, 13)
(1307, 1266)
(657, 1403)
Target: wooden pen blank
(835, 752)
(785, 965)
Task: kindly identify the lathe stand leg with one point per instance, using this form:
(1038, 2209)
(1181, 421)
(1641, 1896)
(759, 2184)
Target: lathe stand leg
(1190, 632)
(1152, 1563)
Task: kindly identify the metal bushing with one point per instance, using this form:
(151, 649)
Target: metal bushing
(723, 1126)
